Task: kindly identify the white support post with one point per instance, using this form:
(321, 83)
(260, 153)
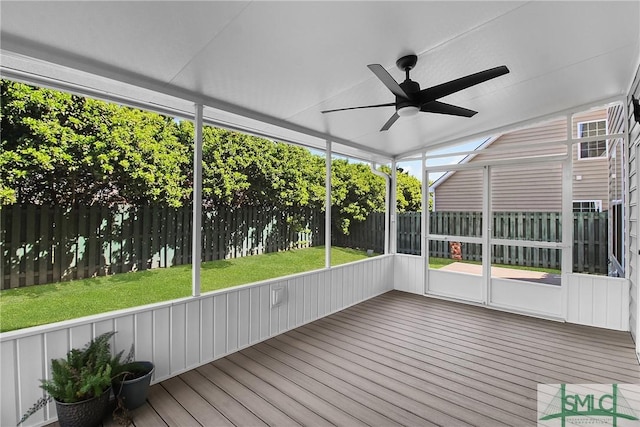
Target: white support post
(387, 214)
(387, 198)
(196, 243)
(393, 228)
(486, 234)
(424, 206)
(424, 245)
(327, 210)
(567, 218)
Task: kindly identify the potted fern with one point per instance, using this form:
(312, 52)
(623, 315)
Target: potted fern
(80, 384)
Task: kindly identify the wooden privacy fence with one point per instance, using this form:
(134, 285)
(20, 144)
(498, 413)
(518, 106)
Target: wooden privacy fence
(42, 244)
(590, 239)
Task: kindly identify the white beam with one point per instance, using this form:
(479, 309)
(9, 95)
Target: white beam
(513, 127)
(196, 253)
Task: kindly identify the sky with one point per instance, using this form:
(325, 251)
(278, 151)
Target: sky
(413, 167)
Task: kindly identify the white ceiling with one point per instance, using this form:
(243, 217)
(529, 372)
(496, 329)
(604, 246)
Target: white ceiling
(271, 67)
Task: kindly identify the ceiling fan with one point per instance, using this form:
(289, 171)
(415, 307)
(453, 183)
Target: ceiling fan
(410, 99)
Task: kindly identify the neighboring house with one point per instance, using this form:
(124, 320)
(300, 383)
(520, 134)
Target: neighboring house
(536, 187)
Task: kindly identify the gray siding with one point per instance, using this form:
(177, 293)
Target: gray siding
(632, 236)
(594, 184)
(461, 192)
(616, 121)
(533, 188)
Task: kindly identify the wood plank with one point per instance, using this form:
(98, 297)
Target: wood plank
(146, 416)
(439, 398)
(104, 246)
(320, 407)
(411, 360)
(225, 404)
(4, 271)
(242, 370)
(268, 413)
(145, 238)
(15, 261)
(179, 238)
(93, 242)
(155, 236)
(82, 240)
(489, 356)
(303, 372)
(44, 245)
(405, 403)
(438, 409)
(568, 339)
(540, 359)
(171, 411)
(198, 407)
(588, 340)
(30, 247)
(126, 238)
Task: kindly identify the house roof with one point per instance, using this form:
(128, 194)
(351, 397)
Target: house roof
(271, 67)
(466, 159)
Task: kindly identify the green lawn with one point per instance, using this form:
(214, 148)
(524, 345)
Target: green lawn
(42, 304)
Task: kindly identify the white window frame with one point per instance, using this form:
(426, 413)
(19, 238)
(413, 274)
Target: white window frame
(597, 204)
(579, 144)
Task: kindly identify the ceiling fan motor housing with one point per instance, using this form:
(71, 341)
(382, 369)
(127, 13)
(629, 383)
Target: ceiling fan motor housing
(411, 88)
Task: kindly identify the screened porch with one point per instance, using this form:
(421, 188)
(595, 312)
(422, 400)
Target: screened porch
(386, 340)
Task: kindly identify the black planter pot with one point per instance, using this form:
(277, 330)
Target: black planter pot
(134, 392)
(88, 413)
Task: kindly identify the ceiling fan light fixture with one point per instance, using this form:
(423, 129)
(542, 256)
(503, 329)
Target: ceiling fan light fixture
(408, 111)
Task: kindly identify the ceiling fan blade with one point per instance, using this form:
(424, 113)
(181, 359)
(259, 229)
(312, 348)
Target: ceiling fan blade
(442, 108)
(390, 122)
(387, 80)
(444, 89)
(389, 104)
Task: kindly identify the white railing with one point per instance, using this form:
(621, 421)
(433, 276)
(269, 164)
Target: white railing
(182, 334)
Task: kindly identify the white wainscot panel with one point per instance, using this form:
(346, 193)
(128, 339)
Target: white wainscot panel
(178, 325)
(30, 364)
(193, 333)
(527, 297)
(408, 274)
(181, 334)
(598, 301)
(452, 284)
(9, 375)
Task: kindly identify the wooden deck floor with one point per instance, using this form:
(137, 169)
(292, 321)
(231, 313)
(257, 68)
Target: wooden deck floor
(398, 359)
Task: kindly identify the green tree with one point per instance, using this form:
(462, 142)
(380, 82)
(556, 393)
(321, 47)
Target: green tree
(355, 193)
(62, 149)
(58, 148)
(243, 170)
